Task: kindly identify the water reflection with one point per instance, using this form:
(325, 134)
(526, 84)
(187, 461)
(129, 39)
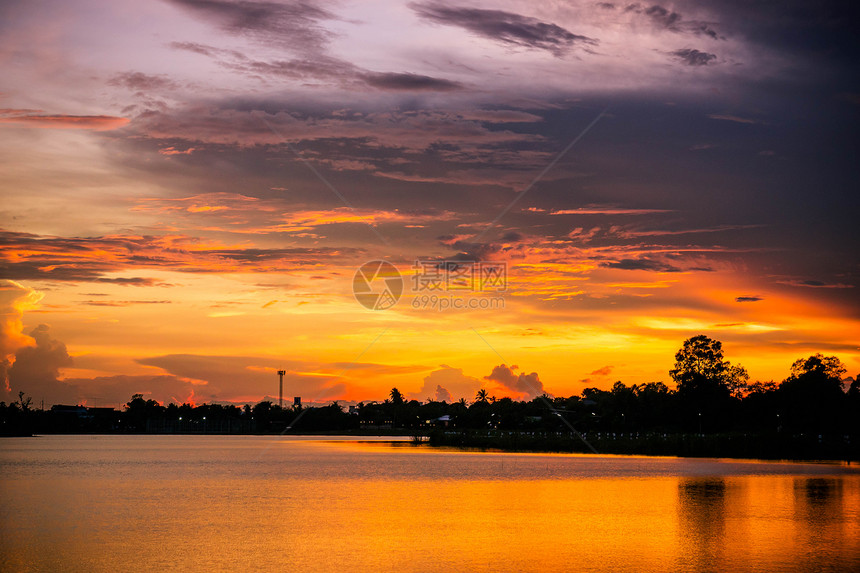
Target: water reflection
(819, 512)
(203, 503)
(702, 521)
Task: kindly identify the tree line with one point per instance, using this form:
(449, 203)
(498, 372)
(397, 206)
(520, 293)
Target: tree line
(710, 396)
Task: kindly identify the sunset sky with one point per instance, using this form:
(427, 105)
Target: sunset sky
(190, 185)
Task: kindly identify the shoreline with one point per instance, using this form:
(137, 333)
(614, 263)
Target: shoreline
(735, 446)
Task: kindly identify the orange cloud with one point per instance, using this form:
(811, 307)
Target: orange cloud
(14, 300)
(63, 121)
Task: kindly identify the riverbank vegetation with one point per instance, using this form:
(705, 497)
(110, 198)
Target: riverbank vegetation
(713, 410)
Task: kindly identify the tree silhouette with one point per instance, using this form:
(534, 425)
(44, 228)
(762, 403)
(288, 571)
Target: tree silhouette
(396, 397)
(706, 382)
(481, 396)
(24, 403)
(829, 367)
(812, 395)
(701, 358)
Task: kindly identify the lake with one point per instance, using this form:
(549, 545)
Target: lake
(263, 503)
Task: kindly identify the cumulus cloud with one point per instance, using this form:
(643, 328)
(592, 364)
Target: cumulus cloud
(442, 394)
(14, 300)
(36, 370)
(448, 383)
(528, 385)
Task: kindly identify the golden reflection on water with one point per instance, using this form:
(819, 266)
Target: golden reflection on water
(195, 503)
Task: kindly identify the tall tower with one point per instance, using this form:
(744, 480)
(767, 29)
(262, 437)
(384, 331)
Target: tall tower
(281, 388)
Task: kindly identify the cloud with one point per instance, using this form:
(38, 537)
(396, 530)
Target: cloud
(607, 211)
(409, 82)
(605, 371)
(499, 116)
(453, 383)
(468, 251)
(443, 395)
(118, 389)
(139, 81)
(123, 302)
(60, 121)
(14, 300)
(36, 370)
(673, 21)
(748, 299)
(529, 385)
(293, 25)
(813, 283)
(642, 264)
(247, 378)
(505, 27)
(28, 256)
(693, 57)
(734, 118)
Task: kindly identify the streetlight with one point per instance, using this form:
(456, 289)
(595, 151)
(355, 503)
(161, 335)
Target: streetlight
(700, 423)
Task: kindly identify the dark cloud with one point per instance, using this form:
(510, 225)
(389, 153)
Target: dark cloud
(605, 371)
(138, 81)
(409, 82)
(505, 27)
(511, 237)
(673, 21)
(467, 251)
(693, 57)
(320, 66)
(662, 16)
(294, 25)
(642, 264)
(528, 384)
(815, 283)
(748, 299)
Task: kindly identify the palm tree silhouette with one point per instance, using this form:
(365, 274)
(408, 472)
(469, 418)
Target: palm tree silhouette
(481, 396)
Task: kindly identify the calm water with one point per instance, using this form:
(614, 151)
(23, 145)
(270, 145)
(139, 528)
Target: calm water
(137, 503)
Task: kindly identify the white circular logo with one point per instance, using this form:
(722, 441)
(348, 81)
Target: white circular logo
(377, 285)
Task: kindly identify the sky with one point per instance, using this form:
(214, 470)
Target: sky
(190, 187)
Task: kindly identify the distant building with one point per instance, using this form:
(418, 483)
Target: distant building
(69, 411)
